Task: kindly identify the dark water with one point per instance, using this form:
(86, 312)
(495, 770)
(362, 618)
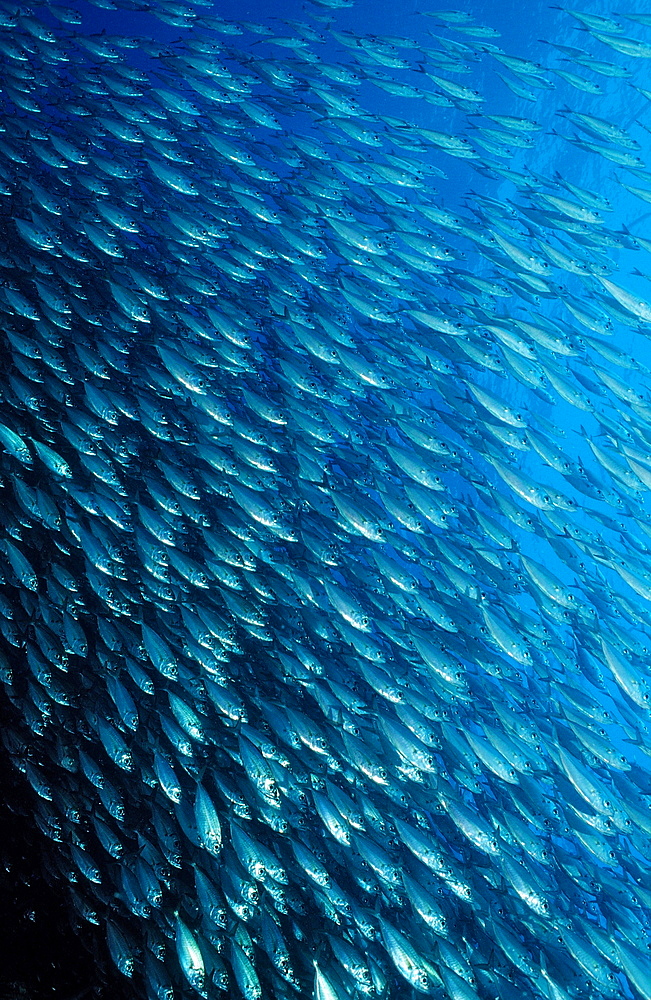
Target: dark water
(325, 427)
(43, 950)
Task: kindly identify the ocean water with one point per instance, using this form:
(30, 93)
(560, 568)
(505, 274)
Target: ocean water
(325, 456)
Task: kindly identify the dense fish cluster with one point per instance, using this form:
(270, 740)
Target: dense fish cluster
(325, 583)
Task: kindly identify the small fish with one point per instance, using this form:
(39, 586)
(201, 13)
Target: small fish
(322, 615)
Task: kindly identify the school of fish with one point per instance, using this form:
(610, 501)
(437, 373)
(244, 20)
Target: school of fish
(325, 527)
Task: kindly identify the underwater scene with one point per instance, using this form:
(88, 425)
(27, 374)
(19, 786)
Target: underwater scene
(325, 427)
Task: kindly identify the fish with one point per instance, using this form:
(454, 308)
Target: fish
(324, 599)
